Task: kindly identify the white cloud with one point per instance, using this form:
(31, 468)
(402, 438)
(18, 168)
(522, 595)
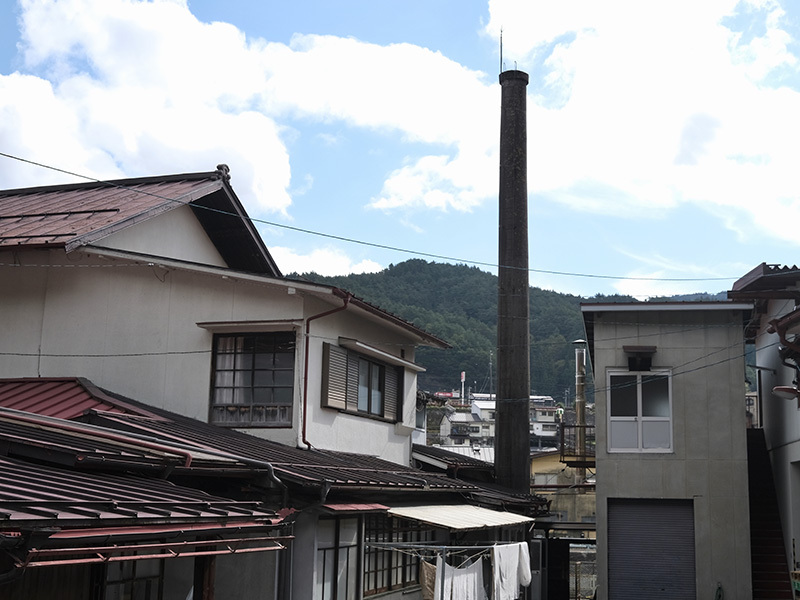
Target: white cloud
(659, 275)
(323, 261)
(151, 85)
(637, 107)
(632, 109)
(151, 89)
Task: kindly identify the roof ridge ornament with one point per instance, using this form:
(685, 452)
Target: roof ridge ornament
(223, 172)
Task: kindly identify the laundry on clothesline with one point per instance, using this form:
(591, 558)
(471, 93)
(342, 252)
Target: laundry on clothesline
(511, 567)
(454, 583)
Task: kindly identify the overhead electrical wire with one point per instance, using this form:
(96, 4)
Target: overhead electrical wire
(372, 244)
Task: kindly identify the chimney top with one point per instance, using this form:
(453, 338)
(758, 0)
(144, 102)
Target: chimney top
(514, 74)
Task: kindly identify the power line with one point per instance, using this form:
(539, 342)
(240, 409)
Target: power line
(373, 244)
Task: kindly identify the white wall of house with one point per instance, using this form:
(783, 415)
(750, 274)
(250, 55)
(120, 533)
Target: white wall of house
(708, 461)
(133, 329)
(175, 234)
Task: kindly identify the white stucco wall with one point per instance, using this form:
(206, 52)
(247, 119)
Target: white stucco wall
(175, 234)
(708, 463)
(132, 328)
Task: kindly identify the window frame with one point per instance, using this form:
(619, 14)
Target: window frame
(385, 569)
(127, 578)
(239, 369)
(342, 370)
(349, 551)
(639, 418)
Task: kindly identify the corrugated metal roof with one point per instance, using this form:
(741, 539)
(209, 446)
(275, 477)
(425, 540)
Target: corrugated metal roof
(74, 215)
(459, 516)
(767, 277)
(456, 456)
(39, 495)
(65, 398)
(63, 215)
(312, 470)
(58, 441)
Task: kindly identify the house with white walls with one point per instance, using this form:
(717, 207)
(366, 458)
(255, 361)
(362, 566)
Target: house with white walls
(673, 517)
(161, 288)
(159, 297)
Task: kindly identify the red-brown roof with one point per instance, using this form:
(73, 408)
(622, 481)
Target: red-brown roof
(41, 494)
(71, 215)
(64, 398)
(75, 215)
(310, 471)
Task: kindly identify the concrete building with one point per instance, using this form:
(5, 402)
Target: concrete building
(672, 469)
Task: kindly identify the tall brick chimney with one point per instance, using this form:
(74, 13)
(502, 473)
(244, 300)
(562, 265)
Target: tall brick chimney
(512, 439)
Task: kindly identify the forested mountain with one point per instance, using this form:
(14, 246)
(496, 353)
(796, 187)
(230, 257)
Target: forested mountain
(458, 303)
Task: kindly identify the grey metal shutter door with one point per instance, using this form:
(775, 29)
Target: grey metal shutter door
(651, 549)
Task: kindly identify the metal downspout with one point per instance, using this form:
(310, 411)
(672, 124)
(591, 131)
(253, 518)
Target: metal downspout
(346, 297)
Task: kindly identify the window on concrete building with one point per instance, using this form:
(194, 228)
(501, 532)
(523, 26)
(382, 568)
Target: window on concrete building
(359, 384)
(253, 379)
(640, 411)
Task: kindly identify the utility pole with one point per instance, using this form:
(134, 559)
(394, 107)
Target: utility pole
(580, 405)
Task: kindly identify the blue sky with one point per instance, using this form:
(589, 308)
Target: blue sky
(663, 136)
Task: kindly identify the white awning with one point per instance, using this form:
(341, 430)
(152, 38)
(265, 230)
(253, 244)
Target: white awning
(459, 516)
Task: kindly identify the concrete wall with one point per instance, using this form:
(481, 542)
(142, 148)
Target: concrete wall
(133, 329)
(708, 462)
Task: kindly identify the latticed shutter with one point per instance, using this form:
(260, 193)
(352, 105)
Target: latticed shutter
(391, 393)
(352, 381)
(334, 376)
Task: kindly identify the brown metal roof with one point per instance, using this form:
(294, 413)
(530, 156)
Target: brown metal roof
(767, 277)
(449, 459)
(71, 215)
(312, 471)
(65, 398)
(39, 495)
(74, 215)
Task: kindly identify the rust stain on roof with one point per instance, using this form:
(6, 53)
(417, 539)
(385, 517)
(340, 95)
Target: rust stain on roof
(57, 216)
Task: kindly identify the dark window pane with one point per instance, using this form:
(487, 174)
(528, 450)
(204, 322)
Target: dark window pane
(262, 395)
(284, 378)
(264, 361)
(284, 360)
(264, 378)
(655, 396)
(623, 396)
(282, 396)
